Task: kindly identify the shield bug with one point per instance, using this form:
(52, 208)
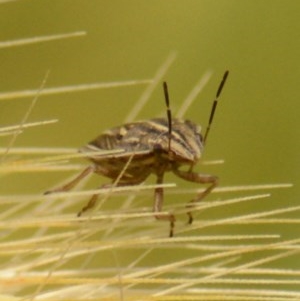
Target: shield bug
(153, 146)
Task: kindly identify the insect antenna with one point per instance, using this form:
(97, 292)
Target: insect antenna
(214, 106)
(168, 114)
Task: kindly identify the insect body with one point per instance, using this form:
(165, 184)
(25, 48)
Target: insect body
(153, 146)
(148, 143)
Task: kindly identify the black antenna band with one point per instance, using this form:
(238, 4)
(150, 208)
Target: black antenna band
(168, 114)
(214, 106)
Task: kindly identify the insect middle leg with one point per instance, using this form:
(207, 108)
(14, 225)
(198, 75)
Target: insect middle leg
(92, 202)
(197, 178)
(74, 182)
(157, 206)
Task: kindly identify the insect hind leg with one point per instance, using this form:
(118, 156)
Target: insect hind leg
(201, 179)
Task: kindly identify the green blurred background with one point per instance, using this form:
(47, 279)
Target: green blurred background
(256, 129)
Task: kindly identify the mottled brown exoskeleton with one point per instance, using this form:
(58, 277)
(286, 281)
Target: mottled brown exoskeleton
(154, 146)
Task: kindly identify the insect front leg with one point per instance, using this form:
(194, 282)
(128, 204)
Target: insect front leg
(197, 178)
(74, 182)
(158, 203)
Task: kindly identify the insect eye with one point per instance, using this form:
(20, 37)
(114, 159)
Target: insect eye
(119, 136)
(157, 147)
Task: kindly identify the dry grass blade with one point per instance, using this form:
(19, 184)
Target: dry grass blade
(25, 117)
(147, 93)
(16, 128)
(71, 89)
(34, 40)
(193, 94)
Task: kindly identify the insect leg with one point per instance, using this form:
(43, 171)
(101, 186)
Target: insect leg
(91, 203)
(74, 182)
(157, 206)
(197, 178)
